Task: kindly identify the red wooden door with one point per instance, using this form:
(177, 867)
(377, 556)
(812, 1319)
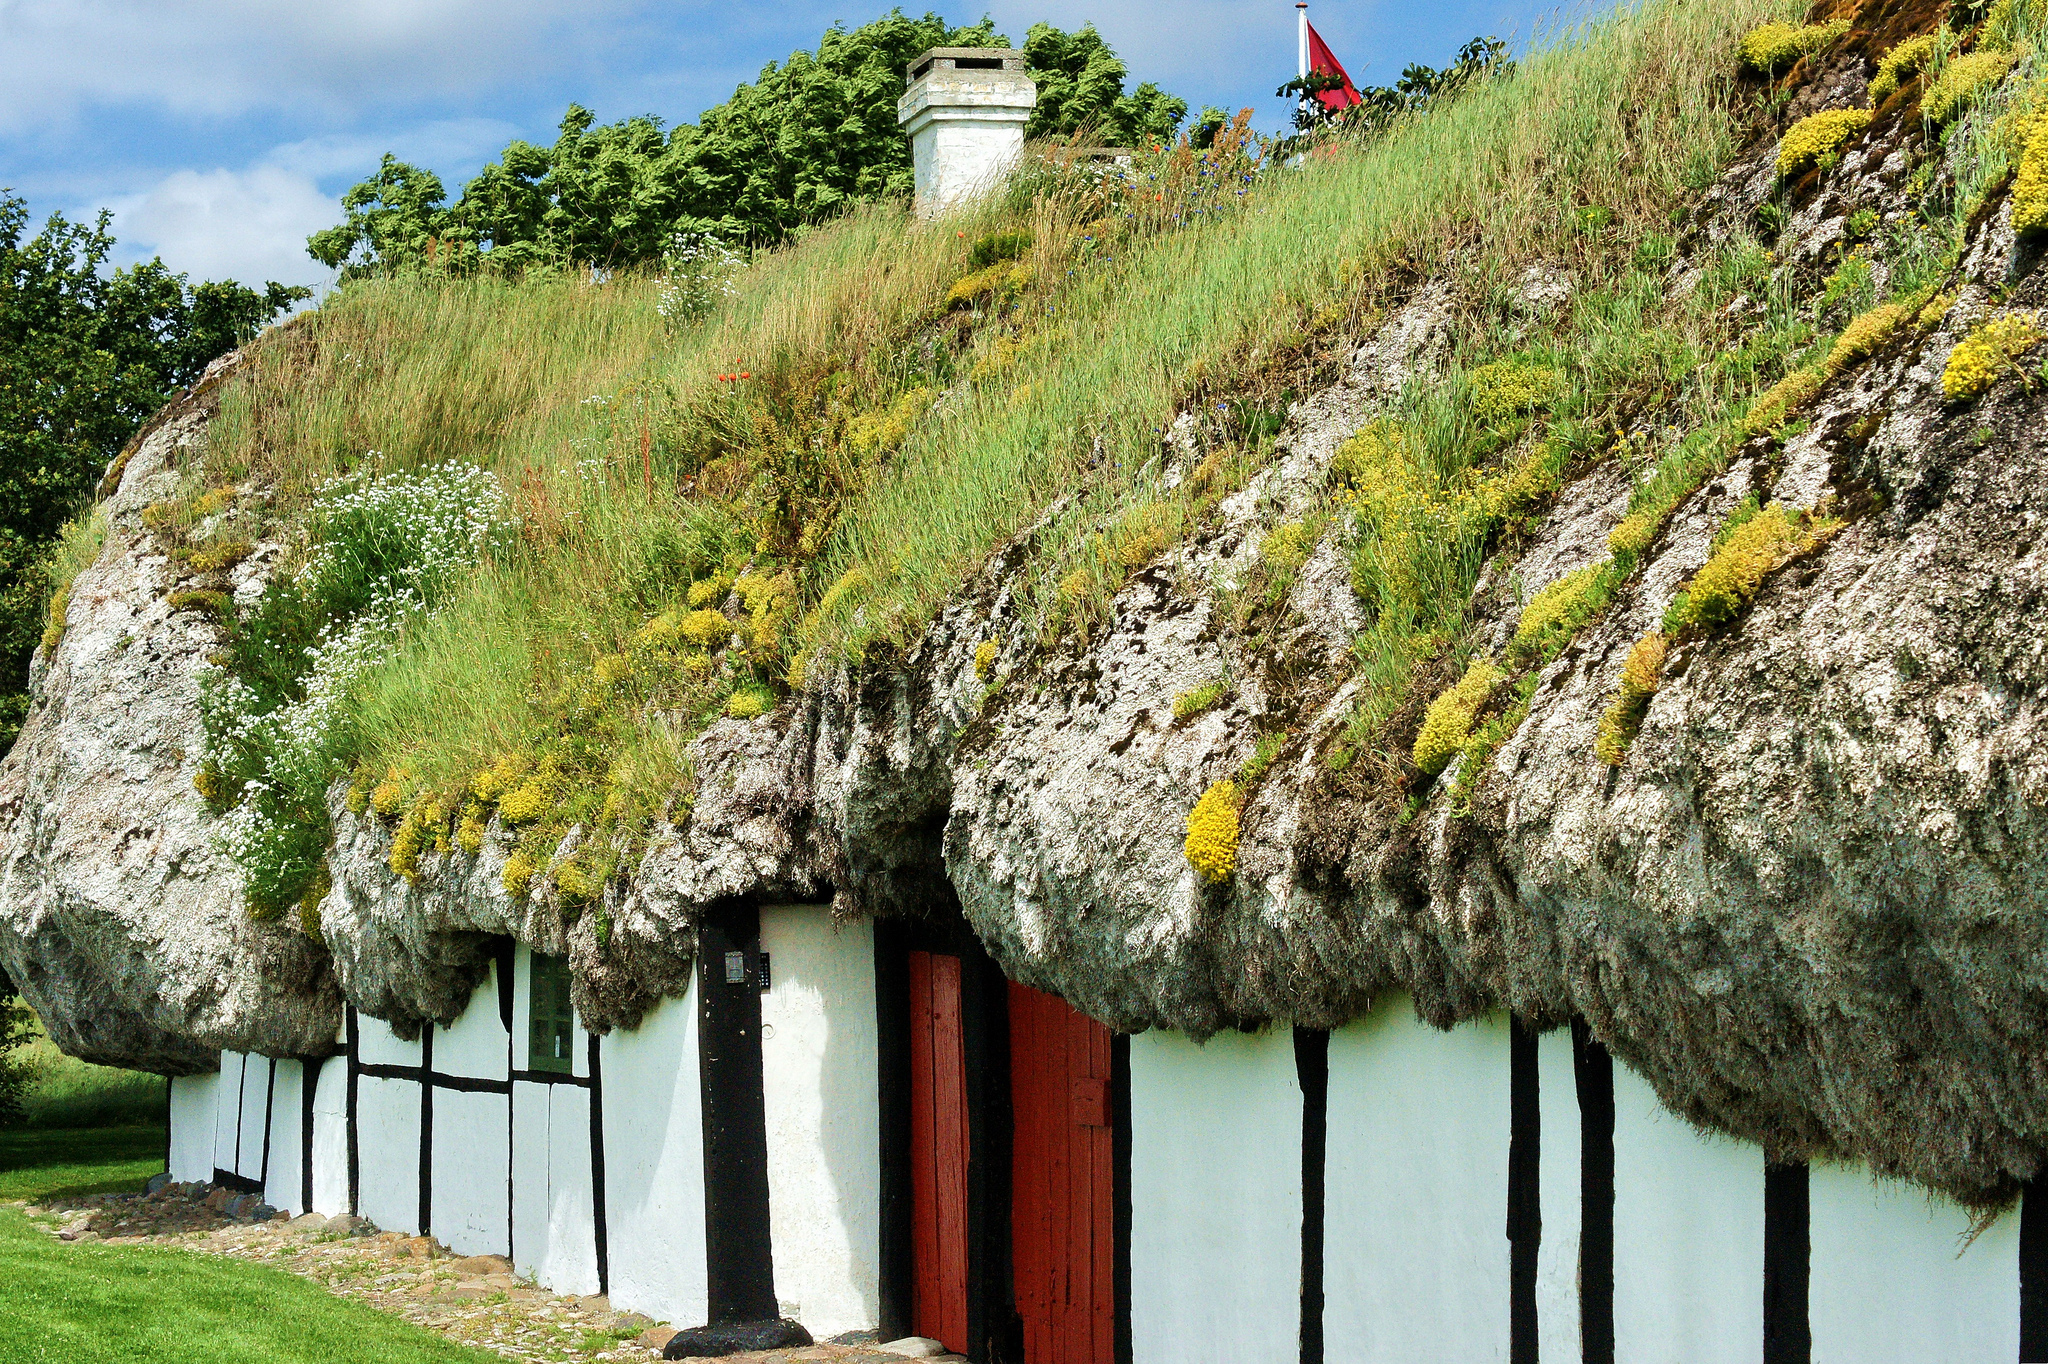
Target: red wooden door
(938, 1151)
(1061, 1218)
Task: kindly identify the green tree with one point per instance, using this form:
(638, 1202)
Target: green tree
(1081, 89)
(805, 140)
(86, 355)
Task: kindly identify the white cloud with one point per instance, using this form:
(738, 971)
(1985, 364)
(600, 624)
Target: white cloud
(247, 225)
(441, 146)
(220, 58)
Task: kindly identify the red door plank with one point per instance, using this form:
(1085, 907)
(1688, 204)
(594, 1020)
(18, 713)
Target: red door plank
(947, 1322)
(924, 1198)
(1061, 1219)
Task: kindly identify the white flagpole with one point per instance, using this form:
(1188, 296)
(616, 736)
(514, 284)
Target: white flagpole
(1301, 44)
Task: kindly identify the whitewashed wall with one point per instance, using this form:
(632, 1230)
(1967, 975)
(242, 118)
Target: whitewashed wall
(1215, 1199)
(195, 1107)
(254, 1118)
(387, 1131)
(1415, 1229)
(472, 1189)
(227, 1118)
(554, 1228)
(284, 1183)
(477, 1044)
(377, 1045)
(818, 1058)
(1894, 1275)
(330, 1137)
(1557, 1255)
(654, 1165)
(1688, 1237)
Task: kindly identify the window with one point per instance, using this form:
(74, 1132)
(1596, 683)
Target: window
(552, 1030)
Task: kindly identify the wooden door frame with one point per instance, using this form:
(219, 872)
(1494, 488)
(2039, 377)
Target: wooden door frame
(993, 1330)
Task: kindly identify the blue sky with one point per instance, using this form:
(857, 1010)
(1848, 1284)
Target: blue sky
(222, 132)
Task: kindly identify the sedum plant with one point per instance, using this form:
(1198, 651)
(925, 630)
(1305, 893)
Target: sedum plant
(1211, 846)
(1814, 136)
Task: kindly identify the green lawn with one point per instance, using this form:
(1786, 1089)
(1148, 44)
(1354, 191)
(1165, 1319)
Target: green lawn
(148, 1305)
(38, 1164)
(67, 1092)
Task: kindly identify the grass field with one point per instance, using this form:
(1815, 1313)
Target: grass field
(69, 1093)
(86, 1303)
(59, 1163)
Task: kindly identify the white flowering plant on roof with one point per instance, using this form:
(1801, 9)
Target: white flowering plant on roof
(698, 270)
(388, 549)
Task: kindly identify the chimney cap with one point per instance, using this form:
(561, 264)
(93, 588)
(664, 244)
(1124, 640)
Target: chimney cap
(964, 59)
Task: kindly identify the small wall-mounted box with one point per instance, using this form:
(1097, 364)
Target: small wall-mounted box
(965, 109)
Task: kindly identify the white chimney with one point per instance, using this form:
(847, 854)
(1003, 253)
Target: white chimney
(965, 110)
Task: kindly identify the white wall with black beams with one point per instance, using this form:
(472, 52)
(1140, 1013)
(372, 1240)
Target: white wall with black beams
(1390, 1193)
(755, 1092)
(1387, 1193)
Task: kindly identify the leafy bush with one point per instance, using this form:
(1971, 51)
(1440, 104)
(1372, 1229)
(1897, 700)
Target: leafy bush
(1211, 846)
(16, 1031)
(1991, 349)
(1641, 675)
(1962, 82)
(1816, 135)
(1447, 724)
(1769, 47)
(1906, 59)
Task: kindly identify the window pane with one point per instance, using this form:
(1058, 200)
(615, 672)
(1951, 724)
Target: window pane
(551, 1031)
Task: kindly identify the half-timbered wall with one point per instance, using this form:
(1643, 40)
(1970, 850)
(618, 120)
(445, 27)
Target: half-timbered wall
(1416, 1264)
(330, 1134)
(195, 1104)
(1895, 1274)
(284, 1162)
(469, 1185)
(1294, 1198)
(387, 1128)
(554, 1223)
(1688, 1237)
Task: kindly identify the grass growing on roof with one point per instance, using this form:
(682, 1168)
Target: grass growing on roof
(708, 510)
